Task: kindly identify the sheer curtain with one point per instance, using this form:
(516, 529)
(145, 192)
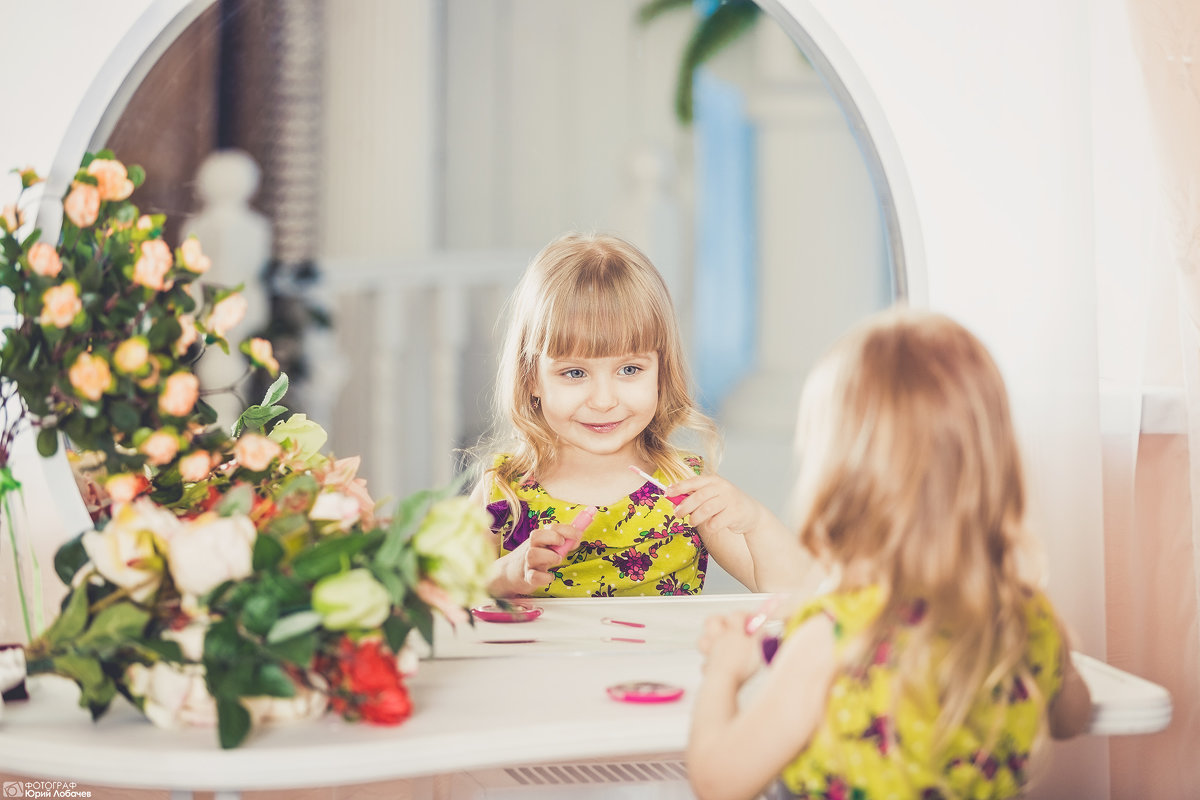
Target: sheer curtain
(1146, 69)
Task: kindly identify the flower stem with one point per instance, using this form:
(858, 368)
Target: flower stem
(8, 484)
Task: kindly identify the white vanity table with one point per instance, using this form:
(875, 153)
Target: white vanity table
(478, 702)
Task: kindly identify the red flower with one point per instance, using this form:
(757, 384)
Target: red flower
(388, 707)
(371, 669)
(365, 683)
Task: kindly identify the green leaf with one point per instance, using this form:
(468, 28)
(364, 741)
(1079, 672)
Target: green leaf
(273, 681)
(259, 613)
(164, 649)
(124, 416)
(422, 618)
(298, 650)
(113, 626)
(69, 559)
(405, 522)
(276, 391)
(238, 500)
(727, 22)
(656, 8)
(233, 722)
(136, 174)
(72, 620)
(395, 630)
(326, 557)
(267, 553)
(96, 690)
(47, 442)
(293, 625)
(207, 414)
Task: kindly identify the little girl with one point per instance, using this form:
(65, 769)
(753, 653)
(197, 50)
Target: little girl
(932, 668)
(592, 386)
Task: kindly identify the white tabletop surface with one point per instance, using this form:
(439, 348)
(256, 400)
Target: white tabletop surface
(476, 705)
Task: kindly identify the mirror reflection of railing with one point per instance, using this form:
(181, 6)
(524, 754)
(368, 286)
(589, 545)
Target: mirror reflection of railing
(406, 376)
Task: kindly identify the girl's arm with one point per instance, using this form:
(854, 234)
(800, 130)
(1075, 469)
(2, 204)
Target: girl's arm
(735, 752)
(528, 567)
(746, 539)
(1070, 710)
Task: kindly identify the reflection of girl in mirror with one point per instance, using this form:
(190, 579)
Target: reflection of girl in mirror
(593, 382)
(933, 667)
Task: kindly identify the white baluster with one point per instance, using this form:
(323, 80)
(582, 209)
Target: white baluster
(449, 343)
(388, 418)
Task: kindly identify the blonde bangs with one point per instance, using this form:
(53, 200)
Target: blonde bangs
(601, 310)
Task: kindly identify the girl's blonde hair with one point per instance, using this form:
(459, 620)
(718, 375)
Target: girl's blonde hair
(590, 296)
(910, 479)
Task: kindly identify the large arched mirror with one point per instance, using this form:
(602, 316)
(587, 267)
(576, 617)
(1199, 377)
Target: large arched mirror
(410, 157)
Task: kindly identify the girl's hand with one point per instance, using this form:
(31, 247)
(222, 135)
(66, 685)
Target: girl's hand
(528, 567)
(715, 506)
(729, 652)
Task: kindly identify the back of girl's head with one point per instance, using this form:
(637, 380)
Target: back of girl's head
(910, 479)
(909, 460)
(591, 296)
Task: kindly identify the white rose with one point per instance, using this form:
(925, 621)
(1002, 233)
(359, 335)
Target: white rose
(172, 696)
(125, 551)
(210, 550)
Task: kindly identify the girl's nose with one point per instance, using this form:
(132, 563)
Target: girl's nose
(603, 395)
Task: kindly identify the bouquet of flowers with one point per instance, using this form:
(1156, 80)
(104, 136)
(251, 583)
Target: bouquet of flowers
(233, 577)
(109, 320)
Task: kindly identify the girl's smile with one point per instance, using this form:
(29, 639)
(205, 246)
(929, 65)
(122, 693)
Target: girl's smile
(599, 406)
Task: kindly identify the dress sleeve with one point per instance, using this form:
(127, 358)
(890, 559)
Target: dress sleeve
(1045, 646)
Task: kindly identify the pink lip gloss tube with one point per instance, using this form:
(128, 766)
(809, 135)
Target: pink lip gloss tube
(580, 523)
(676, 499)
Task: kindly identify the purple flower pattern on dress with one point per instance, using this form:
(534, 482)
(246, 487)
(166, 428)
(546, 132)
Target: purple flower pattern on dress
(632, 556)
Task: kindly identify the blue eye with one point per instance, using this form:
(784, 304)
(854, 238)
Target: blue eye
(629, 369)
(573, 373)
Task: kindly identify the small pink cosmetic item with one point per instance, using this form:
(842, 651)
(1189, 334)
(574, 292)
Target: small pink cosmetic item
(645, 692)
(756, 622)
(580, 523)
(515, 613)
(627, 624)
(676, 499)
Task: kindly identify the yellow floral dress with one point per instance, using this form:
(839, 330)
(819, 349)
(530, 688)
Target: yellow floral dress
(636, 546)
(865, 747)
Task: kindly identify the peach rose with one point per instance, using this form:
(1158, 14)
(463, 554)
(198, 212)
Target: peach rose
(256, 452)
(180, 394)
(226, 314)
(90, 376)
(196, 466)
(153, 264)
(124, 486)
(188, 336)
(145, 223)
(193, 257)
(44, 260)
(131, 355)
(112, 179)
(159, 448)
(82, 204)
(11, 217)
(263, 354)
(60, 305)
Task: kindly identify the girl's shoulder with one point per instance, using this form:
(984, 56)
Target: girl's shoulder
(850, 610)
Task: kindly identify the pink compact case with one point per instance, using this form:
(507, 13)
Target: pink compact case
(515, 613)
(645, 692)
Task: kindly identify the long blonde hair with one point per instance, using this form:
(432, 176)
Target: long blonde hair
(590, 296)
(910, 477)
